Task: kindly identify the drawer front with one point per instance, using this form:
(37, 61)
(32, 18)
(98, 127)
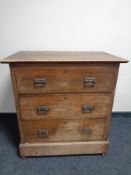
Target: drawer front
(65, 106)
(64, 130)
(66, 78)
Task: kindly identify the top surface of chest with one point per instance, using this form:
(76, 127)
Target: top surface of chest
(62, 56)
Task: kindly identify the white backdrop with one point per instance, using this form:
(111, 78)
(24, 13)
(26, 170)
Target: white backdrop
(94, 25)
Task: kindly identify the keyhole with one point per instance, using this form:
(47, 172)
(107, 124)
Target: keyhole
(65, 97)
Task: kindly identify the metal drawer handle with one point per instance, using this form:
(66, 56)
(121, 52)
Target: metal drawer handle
(89, 81)
(42, 109)
(40, 82)
(87, 108)
(86, 131)
(42, 132)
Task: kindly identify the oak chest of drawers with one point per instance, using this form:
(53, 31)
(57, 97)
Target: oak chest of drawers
(63, 101)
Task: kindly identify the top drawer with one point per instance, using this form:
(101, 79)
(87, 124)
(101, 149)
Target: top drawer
(62, 78)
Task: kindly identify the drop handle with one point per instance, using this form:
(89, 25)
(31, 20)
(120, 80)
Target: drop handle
(87, 108)
(42, 132)
(40, 82)
(42, 109)
(87, 130)
(89, 81)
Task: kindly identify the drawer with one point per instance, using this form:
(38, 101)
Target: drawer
(65, 106)
(64, 130)
(66, 78)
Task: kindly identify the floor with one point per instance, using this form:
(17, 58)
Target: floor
(116, 162)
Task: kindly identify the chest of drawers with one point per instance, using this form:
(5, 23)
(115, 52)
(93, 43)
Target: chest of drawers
(63, 100)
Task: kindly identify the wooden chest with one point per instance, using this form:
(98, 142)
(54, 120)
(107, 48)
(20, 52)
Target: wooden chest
(63, 101)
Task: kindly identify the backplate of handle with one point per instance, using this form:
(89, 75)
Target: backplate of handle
(42, 109)
(89, 81)
(40, 82)
(87, 108)
(42, 132)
